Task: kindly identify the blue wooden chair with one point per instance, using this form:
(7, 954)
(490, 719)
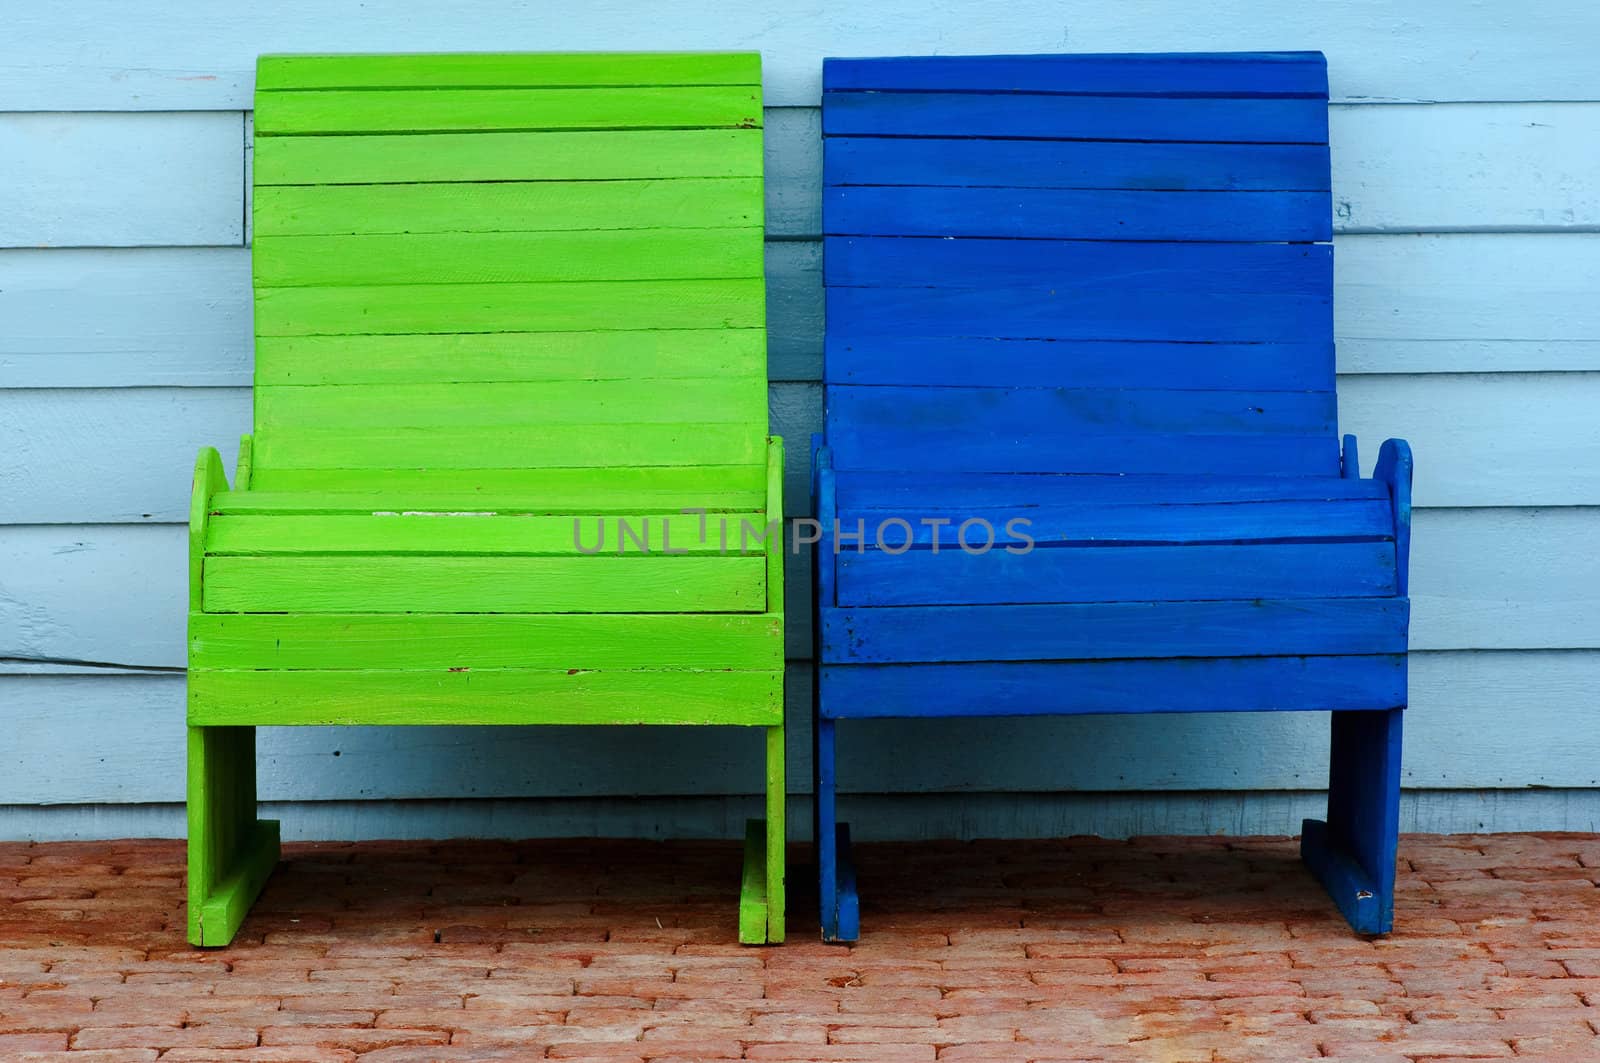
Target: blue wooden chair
(1080, 451)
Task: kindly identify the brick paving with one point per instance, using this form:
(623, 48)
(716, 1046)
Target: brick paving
(1168, 949)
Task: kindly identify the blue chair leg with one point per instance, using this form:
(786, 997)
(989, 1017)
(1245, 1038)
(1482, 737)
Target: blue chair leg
(836, 889)
(1354, 852)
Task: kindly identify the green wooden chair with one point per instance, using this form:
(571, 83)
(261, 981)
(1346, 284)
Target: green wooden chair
(507, 308)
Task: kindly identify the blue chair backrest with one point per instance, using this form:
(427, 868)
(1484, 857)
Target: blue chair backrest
(1079, 264)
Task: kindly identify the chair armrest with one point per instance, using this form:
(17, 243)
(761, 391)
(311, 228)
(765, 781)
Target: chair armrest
(1394, 469)
(209, 478)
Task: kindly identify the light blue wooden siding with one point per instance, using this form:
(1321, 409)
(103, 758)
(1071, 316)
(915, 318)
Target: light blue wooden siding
(1468, 252)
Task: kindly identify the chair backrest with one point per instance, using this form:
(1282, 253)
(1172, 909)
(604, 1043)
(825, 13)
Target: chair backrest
(495, 262)
(1079, 263)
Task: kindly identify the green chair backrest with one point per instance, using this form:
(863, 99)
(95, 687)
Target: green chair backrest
(466, 265)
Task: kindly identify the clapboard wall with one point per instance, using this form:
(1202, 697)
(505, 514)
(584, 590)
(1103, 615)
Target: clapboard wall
(1466, 156)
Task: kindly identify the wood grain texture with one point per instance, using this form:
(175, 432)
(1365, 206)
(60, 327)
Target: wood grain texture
(1469, 588)
(99, 180)
(93, 57)
(1478, 451)
(433, 109)
(391, 641)
(1403, 304)
(1028, 688)
(1458, 168)
(484, 696)
(108, 740)
(404, 158)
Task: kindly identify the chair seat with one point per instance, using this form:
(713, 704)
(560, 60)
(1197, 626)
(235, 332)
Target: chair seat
(268, 552)
(1013, 539)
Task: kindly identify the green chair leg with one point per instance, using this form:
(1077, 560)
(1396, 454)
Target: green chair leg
(761, 895)
(231, 852)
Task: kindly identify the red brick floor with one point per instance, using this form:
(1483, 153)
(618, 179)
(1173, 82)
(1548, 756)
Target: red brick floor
(1169, 949)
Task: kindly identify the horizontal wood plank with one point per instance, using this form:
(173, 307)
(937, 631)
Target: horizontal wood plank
(887, 492)
(1083, 214)
(1088, 117)
(483, 357)
(1073, 313)
(485, 696)
(89, 58)
(1083, 164)
(601, 584)
(600, 489)
(746, 642)
(733, 399)
(1111, 574)
(422, 533)
(1109, 266)
(476, 258)
(402, 158)
(568, 445)
(960, 361)
(490, 109)
(1224, 684)
(1328, 626)
(1161, 522)
(103, 180)
(1135, 74)
(863, 412)
(524, 69)
(506, 206)
(552, 307)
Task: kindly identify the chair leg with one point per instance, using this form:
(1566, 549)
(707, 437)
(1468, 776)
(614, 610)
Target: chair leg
(231, 852)
(1354, 852)
(836, 893)
(762, 893)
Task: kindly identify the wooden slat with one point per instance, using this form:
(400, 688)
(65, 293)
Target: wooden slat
(1139, 74)
(555, 307)
(485, 696)
(1128, 452)
(474, 258)
(741, 642)
(514, 490)
(491, 70)
(1193, 522)
(1081, 214)
(572, 445)
(1111, 266)
(443, 110)
(953, 114)
(1248, 684)
(1042, 312)
(481, 357)
(946, 361)
(581, 156)
(864, 413)
(466, 533)
(724, 400)
(657, 583)
(952, 162)
(1115, 574)
(1098, 630)
(865, 491)
(506, 206)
